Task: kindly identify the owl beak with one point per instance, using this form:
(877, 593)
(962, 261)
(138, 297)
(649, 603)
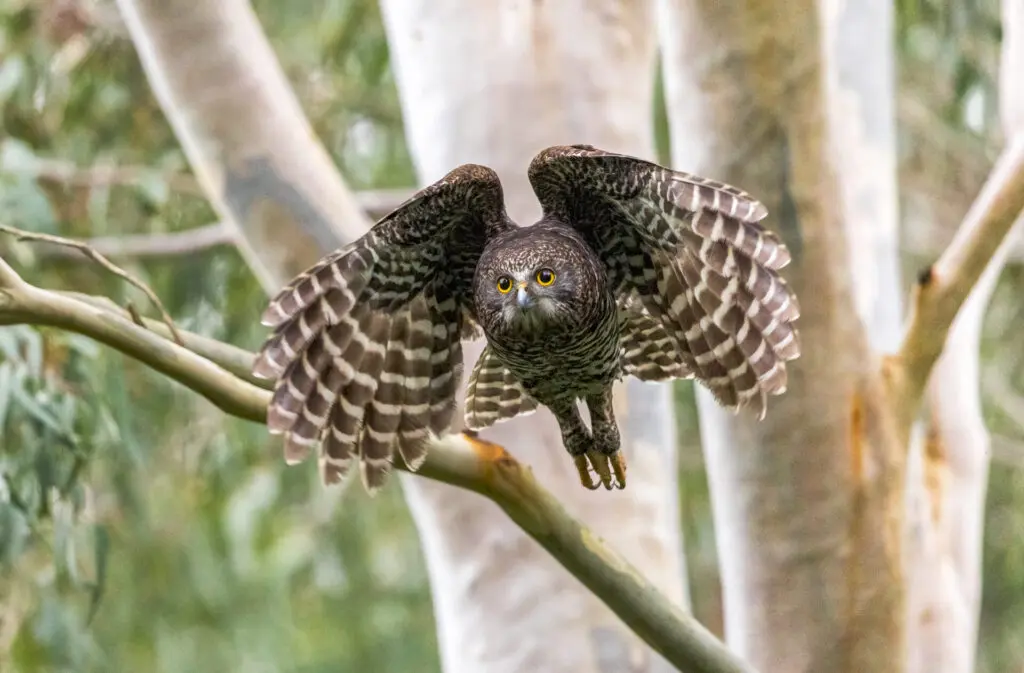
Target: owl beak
(523, 298)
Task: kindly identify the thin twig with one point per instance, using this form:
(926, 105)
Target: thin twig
(462, 461)
(943, 288)
(89, 252)
(137, 319)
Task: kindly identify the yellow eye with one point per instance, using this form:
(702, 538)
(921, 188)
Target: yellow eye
(545, 277)
(504, 285)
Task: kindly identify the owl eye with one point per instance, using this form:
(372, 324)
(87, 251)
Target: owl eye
(504, 285)
(545, 277)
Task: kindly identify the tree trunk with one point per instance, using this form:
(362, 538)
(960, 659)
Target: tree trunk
(245, 135)
(493, 83)
(793, 101)
(948, 467)
(502, 603)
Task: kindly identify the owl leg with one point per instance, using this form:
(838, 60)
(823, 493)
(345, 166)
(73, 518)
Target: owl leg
(576, 439)
(609, 460)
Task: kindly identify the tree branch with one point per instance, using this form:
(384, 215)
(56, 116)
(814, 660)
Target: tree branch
(459, 460)
(943, 288)
(157, 245)
(97, 257)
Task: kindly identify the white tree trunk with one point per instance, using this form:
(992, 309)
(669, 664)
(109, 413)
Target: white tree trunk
(493, 83)
(244, 132)
(793, 100)
(948, 470)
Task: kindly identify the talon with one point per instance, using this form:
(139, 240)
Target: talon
(583, 467)
(600, 463)
(619, 467)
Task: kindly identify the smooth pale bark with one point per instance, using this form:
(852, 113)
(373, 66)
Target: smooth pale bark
(493, 83)
(949, 461)
(246, 137)
(792, 100)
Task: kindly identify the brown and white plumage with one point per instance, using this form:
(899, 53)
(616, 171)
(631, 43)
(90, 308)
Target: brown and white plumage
(660, 274)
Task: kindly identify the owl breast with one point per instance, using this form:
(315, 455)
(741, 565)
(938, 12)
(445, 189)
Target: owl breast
(564, 361)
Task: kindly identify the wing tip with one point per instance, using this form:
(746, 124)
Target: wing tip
(758, 211)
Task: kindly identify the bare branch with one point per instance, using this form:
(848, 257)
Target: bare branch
(92, 254)
(459, 460)
(942, 289)
(142, 246)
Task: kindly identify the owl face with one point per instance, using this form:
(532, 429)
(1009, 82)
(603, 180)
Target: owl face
(533, 283)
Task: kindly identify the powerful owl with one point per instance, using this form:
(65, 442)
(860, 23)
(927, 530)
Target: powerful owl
(633, 269)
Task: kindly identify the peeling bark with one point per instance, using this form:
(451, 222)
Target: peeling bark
(785, 100)
(494, 83)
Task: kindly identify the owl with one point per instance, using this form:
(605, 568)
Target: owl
(632, 270)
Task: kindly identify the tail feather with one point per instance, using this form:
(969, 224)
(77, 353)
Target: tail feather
(494, 394)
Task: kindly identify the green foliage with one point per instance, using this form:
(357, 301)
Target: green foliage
(140, 529)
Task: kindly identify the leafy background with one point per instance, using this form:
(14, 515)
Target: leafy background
(141, 529)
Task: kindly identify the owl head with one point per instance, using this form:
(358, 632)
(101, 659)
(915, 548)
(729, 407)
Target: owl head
(536, 278)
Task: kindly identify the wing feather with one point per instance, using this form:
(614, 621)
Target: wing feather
(696, 256)
(648, 349)
(366, 348)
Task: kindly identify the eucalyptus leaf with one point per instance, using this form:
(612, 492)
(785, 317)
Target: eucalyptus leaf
(101, 553)
(14, 532)
(40, 413)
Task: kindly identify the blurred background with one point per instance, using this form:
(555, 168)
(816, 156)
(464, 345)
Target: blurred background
(138, 524)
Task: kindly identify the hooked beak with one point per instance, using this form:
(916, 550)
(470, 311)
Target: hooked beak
(523, 299)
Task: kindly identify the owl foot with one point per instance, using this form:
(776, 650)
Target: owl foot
(610, 469)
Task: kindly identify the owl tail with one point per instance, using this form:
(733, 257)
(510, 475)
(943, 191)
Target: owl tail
(494, 394)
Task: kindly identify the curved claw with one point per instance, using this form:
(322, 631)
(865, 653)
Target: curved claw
(610, 470)
(583, 467)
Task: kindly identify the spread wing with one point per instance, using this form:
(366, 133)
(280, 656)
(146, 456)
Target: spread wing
(694, 254)
(366, 345)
